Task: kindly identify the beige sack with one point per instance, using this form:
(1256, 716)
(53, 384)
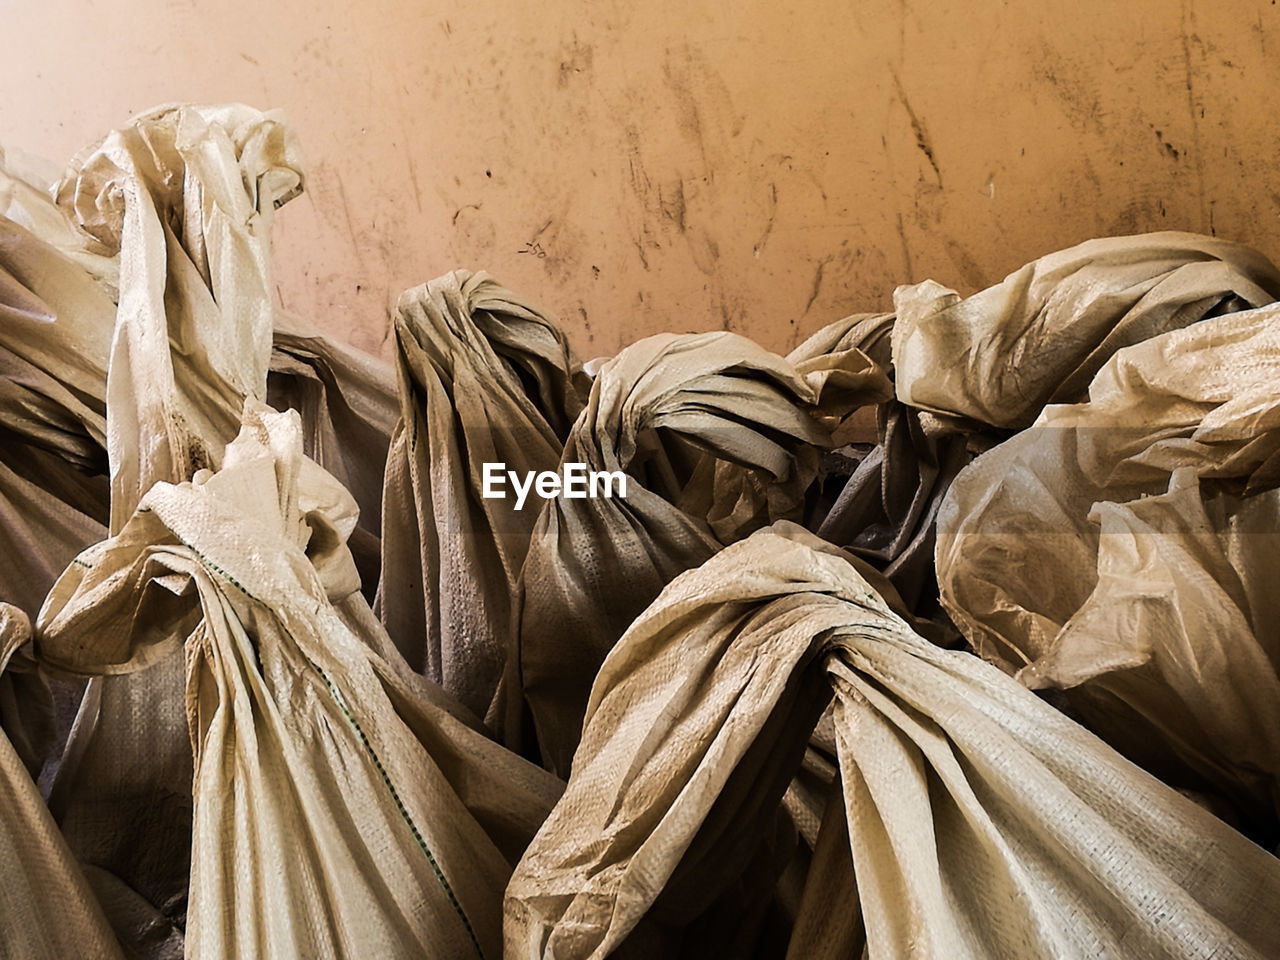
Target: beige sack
(1039, 336)
(1154, 611)
(55, 333)
(981, 822)
(882, 490)
(56, 316)
(47, 910)
(347, 402)
(323, 825)
(183, 197)
(483, 377)
(55, 325)
(27, 185)
(694, 421)
(39, 535)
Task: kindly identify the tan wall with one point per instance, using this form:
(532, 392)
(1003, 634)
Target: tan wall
(764, 167)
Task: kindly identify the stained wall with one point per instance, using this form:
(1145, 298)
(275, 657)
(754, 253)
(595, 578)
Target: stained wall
(638, 167)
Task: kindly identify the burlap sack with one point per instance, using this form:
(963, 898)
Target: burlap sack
(980, 821)
(1121, 547)
(682, 416)
(47, 910)
(483, 377)
(324, 826)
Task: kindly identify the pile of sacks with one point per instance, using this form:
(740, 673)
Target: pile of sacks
(947, 635)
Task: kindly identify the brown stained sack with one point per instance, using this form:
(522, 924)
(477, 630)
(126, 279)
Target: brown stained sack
(1039, 336)
(347, 402)
(184, 197)
(1121, 547)
(483, 377)
(980, 821)
(658, 412)
(324, 827)
(47, 909)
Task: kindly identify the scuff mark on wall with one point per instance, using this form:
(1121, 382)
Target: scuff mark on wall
(703, 159)
(906, 249)
(575, 60)
(917, 126)
(817, 284)
(770, 218)
(671, 203)
(966, 264)
(413, 182)
(1194, 110)
(704, 250)
(466, 206)
(1073, 85)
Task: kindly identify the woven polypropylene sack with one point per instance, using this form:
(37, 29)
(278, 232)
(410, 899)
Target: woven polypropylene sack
(1120, 549)
(981, 822)
(324, 824)
(1041, 334)
(347, 402)
(182, 198)
(684, 418)
(484, 378)
(47, 909)
(885, 484)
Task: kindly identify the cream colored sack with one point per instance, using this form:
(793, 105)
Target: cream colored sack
(884, 485)
(55, 332)
(347, 402)
(1124, 548)
(483, 378)
(47, 910)
(1039, 336)
(716, 436)
(324, 825)
(55, 325)
(981, 822)
(183, 197)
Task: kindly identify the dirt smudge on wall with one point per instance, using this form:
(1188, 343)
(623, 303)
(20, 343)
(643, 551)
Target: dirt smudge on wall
(760, 168)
